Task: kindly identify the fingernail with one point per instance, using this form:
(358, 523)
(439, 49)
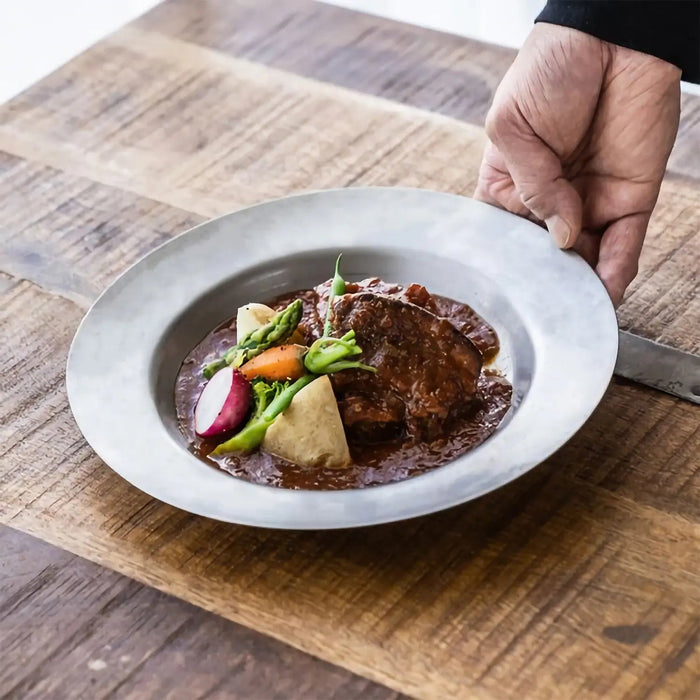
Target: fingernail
(559, 229)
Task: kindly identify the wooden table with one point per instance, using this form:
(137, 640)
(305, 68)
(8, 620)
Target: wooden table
(579, 580)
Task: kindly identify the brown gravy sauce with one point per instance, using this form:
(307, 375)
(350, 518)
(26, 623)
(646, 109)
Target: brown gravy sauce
(373, 464)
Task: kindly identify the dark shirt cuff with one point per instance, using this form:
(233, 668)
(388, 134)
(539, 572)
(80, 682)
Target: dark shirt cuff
(667, 29)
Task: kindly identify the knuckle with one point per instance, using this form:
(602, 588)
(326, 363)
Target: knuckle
(529, 198)
(498, 124)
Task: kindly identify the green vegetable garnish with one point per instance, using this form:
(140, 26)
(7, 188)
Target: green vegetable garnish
(279, 328)
(328, 355)
(264, 394)
(325, 356)
(337, 290)
(270, 401)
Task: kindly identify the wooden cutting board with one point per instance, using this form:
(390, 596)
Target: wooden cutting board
(578, 580)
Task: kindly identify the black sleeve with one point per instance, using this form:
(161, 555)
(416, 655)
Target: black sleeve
(668, 29)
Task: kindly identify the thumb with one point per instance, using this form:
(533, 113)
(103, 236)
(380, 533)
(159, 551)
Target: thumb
(537, 173)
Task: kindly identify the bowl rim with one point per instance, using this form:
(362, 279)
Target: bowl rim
(253, 504)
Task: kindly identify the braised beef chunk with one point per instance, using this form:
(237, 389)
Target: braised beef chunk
(427, 370)
(462, 317)
(417, 294)
(370, 419)
(371, 284)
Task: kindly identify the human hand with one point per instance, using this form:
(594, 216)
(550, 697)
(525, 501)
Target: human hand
(580, 131)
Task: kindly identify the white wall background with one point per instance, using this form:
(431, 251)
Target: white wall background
(505, 22)
(37, 36)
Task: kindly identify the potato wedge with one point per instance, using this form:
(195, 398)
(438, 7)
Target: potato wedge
(310, 432)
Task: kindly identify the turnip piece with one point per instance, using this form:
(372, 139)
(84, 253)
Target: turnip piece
(310, 431)
(251, 317)
(223, 403)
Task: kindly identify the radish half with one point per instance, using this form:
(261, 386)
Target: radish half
(223, 403)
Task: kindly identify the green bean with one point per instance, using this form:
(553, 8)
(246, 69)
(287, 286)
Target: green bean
(328, 355)
(337, 290)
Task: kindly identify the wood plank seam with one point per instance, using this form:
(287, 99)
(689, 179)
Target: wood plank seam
(80, 301)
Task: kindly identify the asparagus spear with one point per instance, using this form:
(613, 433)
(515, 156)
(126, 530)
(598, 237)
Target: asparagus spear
(254, 431)
(280, 327)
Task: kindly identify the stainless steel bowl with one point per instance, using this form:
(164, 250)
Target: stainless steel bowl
(557, 327)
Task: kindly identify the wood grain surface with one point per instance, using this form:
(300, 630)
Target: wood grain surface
(77, 630)
(428, 69)
(579, 580)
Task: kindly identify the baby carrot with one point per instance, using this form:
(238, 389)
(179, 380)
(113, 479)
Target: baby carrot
(278, 363)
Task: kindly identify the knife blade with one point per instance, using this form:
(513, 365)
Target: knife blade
(659, 366)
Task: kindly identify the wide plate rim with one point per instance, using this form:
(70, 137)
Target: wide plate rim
(76, 394)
